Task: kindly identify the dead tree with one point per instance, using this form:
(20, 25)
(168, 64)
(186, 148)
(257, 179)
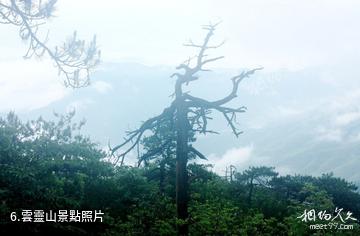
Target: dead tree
(75, 59)
(187, 114)
(231, 170)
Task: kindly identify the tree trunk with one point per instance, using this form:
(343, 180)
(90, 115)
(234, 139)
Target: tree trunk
(181, 170)
(251, 191)
(162, 177)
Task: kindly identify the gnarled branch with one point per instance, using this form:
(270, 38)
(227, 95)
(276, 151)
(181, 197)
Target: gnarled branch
(75, 59)
(197, 153)
(135, 136)
(197, 110)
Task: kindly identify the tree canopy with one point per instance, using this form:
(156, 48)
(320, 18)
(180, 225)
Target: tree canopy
(51, 165)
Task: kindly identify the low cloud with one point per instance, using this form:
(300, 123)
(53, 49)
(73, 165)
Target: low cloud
(329, 134)
(288, 112)
(27, 85)
(234, 156)
(102, 86)
(79, 105)
(347, 118)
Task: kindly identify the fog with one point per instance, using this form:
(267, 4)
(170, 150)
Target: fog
(303, 106)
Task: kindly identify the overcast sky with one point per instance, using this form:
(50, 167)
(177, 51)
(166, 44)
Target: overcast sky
(274, 34)
(271, 33)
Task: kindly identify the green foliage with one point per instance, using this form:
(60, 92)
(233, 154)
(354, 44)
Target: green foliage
(50, 165)
(214, 217)
(46, 165)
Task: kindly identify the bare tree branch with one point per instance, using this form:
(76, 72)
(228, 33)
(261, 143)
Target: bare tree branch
(135, 136)
(197, 110)
(75, 59)
(154, 152)
(236, 81)
(197, 153)
(189, 114)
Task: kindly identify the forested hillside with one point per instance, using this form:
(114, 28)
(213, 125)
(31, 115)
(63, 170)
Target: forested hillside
(52, 166)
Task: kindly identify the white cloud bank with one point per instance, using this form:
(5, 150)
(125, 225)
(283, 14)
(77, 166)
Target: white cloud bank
(28, 84)
(347, 118)
(234, 156)
(79, 105)
(102, 86)
(341, 112)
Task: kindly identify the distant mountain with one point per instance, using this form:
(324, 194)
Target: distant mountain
(298, 121)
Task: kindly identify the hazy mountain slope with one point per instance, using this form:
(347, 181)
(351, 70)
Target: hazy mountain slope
(302, 121)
